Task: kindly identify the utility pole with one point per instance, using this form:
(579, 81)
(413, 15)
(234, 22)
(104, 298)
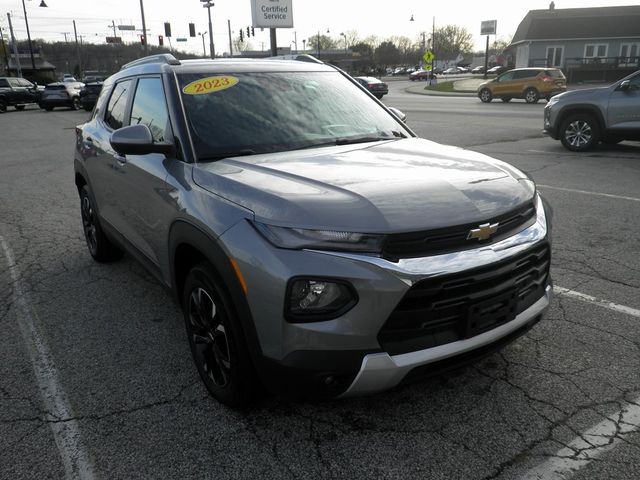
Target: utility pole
(75, 33)
(144, 30)
(15, 48)
(33, 62)
(295, 40)
(113, 25)
(230, 41)
(65, 36)
(433, 45)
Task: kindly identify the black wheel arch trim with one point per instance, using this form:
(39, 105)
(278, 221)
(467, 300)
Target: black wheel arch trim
(185, 233)
(577, 108)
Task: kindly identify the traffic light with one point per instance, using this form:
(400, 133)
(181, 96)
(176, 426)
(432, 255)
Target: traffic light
(248, 32)
(167, 29)
(143, 40)
(253, 32)
(160, 40)
(241, 36)
(192, 30)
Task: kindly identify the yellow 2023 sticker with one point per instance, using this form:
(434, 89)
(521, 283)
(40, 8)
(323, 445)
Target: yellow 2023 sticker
(210, 85)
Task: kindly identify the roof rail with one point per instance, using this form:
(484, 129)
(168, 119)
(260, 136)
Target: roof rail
(161, 58)
(303, 57)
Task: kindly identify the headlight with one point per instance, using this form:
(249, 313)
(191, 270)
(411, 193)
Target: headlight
(317, 299)
(552, 100)
(299, 238)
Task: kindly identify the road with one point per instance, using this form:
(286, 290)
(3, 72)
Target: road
(96, 379)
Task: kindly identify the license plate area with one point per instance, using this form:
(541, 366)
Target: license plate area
(490, 313)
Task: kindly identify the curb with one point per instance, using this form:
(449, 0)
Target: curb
(419, 90)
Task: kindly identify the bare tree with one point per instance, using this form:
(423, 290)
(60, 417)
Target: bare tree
(239, 46)
(326, 42)
(453, 39)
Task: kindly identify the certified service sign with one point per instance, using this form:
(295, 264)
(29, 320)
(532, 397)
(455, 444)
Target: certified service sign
(272, 13)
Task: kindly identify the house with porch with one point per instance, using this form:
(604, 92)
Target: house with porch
(588, 44)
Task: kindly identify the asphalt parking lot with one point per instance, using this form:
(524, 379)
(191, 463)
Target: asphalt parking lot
(96, 378)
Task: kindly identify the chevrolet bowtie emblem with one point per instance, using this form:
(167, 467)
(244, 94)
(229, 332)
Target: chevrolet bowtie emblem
(483, 232)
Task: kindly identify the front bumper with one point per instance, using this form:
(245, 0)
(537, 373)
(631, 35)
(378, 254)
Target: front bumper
(380, 371)
(343, 356)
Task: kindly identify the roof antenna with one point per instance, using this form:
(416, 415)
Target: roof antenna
(552, 6)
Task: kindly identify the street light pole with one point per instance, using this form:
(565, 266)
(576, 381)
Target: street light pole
(204, 49)
(15, 47)
(207, 4)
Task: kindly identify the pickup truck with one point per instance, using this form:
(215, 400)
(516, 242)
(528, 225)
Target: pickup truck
(17, 92)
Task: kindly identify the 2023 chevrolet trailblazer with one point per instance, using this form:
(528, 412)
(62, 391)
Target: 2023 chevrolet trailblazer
(313, 242)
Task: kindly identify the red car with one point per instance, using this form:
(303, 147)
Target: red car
(421, 75)
(377, 87)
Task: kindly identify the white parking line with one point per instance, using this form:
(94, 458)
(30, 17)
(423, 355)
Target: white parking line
(59, 414)
(596, 441)
(597, 301)
(596, 194)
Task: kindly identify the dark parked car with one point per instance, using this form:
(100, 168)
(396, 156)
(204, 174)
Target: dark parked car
(377, 87)
(497, 70)
(582, 118)
(313, 242)
(89, 95)
(61, 94)
(422, 75)
(478, 69)
(17, 92)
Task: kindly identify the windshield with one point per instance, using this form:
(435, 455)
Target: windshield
(248, 113)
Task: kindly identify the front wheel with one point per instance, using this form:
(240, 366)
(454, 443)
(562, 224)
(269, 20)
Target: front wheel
(3, 106)
(579, 132)
(531, 95)
(75, 103)
(100, 247)
(216, 339)
(485, 95)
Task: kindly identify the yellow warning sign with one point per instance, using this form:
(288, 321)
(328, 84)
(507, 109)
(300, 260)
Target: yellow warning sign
(428, 56)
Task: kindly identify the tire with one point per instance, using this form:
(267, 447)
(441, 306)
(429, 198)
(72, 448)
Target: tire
(378, 96)
(485, 95)
(3, 106)
(531, 95)
(506, 99)
(579, 132)
(216, 340)
(100, 247)
(48, 108)
(87, 108)
(75, 103)
(19, 107)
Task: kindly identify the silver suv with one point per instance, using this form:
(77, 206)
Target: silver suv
(582, 118)
(314, 244)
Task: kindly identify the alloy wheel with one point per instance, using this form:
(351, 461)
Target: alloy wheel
(89, 226)
(578, 133)
(209, 337)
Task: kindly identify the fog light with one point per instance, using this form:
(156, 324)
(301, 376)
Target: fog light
(315, 300)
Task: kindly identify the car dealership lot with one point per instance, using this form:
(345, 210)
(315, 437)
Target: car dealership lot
(105, 346)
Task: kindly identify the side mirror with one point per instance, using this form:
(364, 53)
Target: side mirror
(137, 140)
(624, 85)
(401, 116)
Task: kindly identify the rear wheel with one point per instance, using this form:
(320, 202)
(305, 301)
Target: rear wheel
(531, 95)
(100, 247)
(579, 132)
(216, 339)
(3, 106)
(485, 95)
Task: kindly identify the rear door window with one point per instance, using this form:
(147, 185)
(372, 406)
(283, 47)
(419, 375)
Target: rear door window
(117, 106)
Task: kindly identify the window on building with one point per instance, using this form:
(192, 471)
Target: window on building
(629, 54)
(554, 56)
(595, 50)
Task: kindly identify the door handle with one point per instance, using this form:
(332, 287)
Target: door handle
(121, 159)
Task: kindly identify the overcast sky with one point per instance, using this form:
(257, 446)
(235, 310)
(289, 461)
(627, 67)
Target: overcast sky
(368, 17)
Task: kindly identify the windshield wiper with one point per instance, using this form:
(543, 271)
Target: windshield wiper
(366, 139)
(220, 156)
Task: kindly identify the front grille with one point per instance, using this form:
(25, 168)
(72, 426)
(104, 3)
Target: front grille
(451, 239)
(453, 307)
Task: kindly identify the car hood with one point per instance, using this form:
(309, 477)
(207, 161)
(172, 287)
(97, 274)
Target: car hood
(582, 93)
(391, 186)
